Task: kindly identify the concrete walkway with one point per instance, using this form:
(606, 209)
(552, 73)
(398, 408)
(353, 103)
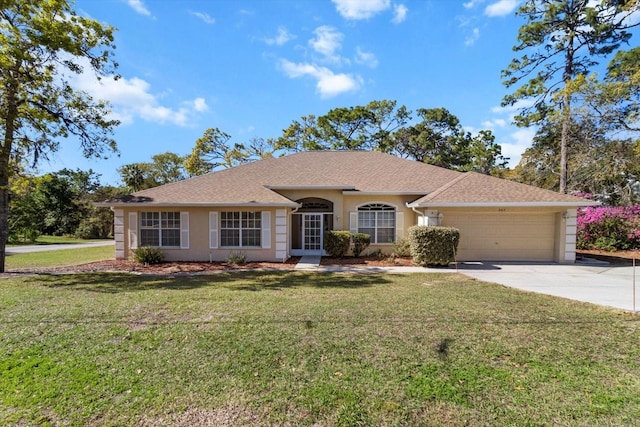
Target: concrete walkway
(23, 249)
(590, 281)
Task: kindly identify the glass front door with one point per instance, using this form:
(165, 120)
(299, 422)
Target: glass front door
(312, 232)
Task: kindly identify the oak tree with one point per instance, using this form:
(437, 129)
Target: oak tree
(43, 44)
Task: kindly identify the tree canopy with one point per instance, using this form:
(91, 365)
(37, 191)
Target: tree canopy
(42, 45)
(561, 41)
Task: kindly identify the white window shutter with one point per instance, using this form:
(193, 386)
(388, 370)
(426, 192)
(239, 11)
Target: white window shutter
(265, 223)
(213, 230)
(184, 230)
(399, 225)
(133, 230)
(353, 222)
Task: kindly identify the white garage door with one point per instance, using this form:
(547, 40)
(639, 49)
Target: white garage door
(504, 237)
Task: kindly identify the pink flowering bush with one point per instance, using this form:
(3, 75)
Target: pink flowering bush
(609, 228)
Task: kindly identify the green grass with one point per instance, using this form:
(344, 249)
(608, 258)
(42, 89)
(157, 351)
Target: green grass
(62, 257)
(309, 349)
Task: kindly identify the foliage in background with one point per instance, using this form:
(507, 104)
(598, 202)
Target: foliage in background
(60, 203)
(561, 41)
(336, 243)
(606, 168)
(431, 245)
(609, 228)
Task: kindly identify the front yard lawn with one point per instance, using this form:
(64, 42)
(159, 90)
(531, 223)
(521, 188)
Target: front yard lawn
(287, 348)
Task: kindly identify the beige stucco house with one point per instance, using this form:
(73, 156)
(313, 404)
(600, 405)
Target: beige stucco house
(274, 208)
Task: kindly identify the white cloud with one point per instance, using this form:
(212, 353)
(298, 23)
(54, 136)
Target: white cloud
(521, 139)
(472, 3)
(328, 83)
(132, 98)
(366, 58)
(501, 8)
(328, 40)
(200, 105)
(283, 37)
(361, 9)
(138, 6)
(471, 39)
(492, 124)
(399, 13)
(205, 17)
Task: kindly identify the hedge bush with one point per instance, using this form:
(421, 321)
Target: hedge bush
(361, 242)
(147, 255)
(336, 243)
(432, 245)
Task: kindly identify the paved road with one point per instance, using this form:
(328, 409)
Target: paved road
(42, 248)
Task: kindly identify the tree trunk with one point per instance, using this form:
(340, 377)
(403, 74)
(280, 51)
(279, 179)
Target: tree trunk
(564, 137)
(5, 161)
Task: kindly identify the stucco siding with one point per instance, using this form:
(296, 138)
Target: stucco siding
(199, 233)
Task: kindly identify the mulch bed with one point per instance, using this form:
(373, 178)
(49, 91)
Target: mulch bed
(177, 268)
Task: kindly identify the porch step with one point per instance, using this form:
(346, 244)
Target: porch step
(308, 262)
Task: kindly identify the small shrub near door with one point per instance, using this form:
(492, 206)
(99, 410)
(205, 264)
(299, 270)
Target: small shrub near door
(147, 255)
(336, 243)
(361, 242)
(431, 245)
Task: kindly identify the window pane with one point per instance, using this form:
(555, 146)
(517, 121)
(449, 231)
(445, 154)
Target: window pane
(149, 237)
(386, 219)
(385, 235)
(366, 219)
(250, 237)
(170, 220)
(150, 219)
(230, 237)
(370, 231)
(170, 237)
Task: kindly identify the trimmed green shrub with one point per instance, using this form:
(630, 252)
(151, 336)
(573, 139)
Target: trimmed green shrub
(361, 242)
(432, 245)
(401, 249)
(147, 255)
(336, 243)
(237, 258)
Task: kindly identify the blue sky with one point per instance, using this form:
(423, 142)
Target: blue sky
(251, 67)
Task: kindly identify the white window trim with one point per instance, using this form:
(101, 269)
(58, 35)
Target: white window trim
(396, 217)
(240, 228)
(180, 230)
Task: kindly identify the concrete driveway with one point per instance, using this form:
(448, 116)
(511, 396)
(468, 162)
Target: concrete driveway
(589, 281)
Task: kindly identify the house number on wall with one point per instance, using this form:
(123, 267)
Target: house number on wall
(502, 209)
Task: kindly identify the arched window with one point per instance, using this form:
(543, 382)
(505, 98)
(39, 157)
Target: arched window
(378, 221)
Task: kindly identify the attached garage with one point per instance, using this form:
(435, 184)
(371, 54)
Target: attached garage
(505, 236)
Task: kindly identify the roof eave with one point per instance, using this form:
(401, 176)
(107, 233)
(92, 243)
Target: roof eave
(383, 193)
(501, 204)
(197, 205)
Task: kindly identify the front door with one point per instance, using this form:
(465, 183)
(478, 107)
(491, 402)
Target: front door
(312, 233)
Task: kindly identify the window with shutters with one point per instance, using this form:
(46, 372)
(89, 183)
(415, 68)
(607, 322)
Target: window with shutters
(240, 229)
(378, 221)
(160, 229)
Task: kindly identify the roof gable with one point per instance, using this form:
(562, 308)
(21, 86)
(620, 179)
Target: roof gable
(472, 188)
